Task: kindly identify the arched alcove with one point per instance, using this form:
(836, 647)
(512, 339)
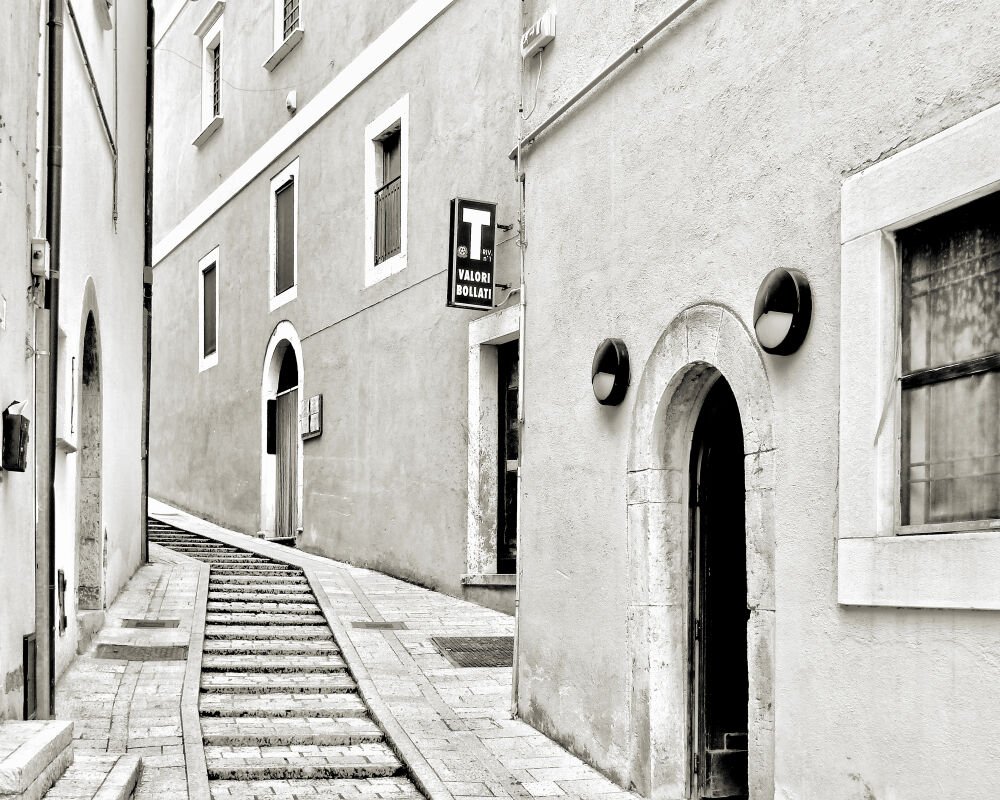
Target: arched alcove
(701, 344)
(90, 544)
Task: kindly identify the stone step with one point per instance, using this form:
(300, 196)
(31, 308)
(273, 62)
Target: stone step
(369, 760)
(273, 647)
(257, 596)
(242, 682)
(98, 776)
(281, 704)
(250, 607)
(231, 632)
(271, 570)
(215, 580)
(258, 589)
(396, 788)
(282, 663)
(272, 618)
(33, 755)
(288, 731)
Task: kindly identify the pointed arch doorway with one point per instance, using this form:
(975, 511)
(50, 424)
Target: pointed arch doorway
(281, 465)
(90, 544)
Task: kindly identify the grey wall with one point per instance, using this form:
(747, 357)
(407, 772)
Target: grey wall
(714, 156)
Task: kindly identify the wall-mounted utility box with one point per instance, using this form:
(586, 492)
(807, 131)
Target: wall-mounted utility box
(15, 441)
(538, 35)
(40, 258)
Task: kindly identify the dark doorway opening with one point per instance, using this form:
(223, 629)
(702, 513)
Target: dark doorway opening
(507, 371)
(719, 600)
(287, 447)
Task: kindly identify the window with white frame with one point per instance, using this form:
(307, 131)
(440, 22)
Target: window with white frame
(287, 30)
(386, 184)
(284, 200)
(919, 474)
(208, 311)
(210, 34)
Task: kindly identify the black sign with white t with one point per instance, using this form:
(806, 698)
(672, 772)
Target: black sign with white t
(471, 251)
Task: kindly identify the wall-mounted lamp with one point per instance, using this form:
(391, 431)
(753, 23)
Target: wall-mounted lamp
(610, 373)
(782, 311)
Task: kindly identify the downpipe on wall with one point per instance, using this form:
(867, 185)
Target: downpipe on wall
(147, 279)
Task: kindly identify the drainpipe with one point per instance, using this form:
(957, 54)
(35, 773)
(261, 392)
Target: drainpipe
(53, 231)
(147, 278)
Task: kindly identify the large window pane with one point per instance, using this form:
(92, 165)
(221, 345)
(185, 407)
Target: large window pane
(951, 450)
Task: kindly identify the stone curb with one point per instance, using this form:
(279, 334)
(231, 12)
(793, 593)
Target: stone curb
(423, 774)
(195, 764)
(121, 780)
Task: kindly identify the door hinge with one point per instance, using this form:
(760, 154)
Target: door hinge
(697, 630)
(696, 765)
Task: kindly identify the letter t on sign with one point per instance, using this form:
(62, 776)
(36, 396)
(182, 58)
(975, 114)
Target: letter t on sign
(479, 219)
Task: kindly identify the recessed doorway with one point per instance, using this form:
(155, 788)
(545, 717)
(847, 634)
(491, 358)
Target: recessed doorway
(719, 611)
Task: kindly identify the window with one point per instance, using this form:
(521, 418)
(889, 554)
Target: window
(386, 142)
(210, 33)
(287, 30)
(950, 384)
(284, 229)
(208, 311)
(919, 407)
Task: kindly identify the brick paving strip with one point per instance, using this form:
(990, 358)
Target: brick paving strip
(453, 723)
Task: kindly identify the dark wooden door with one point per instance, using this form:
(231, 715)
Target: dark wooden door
(287, 452)
(509, 443)
(719, 600)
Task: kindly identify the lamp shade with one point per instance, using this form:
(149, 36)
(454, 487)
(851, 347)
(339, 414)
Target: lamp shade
(610, 373)
(782, 311)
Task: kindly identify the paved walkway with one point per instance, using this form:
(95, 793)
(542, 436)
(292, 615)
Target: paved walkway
(459, 719)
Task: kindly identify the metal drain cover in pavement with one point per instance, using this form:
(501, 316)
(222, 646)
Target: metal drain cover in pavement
(476, 651)
(379, 626)
(150, 623)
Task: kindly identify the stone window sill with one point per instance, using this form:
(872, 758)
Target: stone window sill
(949, 570)
(209, 130)
(283, 50)
(493, 579)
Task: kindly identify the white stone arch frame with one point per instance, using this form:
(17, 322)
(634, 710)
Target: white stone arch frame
(701, 343)
(283, 336)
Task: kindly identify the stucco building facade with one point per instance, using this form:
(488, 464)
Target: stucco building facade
(58, 576)
(308, 201)
(672, 156)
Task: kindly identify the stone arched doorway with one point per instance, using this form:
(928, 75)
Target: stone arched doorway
(282, 458)
(90, 542)
(702, 344)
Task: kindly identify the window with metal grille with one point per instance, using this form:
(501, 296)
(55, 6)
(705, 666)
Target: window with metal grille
(284, 204)
(950, 442)
(209, 288)
(388, 199)
(290, 17)
(216, 57)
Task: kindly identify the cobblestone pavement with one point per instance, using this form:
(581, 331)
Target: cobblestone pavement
(120, 706)
(458, 718)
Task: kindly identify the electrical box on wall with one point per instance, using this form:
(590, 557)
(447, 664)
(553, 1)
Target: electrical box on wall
(538, 35)
(40, 258)
(14, 456)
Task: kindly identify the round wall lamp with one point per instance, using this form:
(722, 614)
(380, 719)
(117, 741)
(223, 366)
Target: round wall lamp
(610, 373)
(782, 311)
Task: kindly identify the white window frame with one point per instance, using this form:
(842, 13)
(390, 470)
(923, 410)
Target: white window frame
(211, 259)
(289, 173)
(938, 567)
(396, 117)
(283, 45)
(209, 32)
(485, 334)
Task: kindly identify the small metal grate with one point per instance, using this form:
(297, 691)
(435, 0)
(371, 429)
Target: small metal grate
(476, 651)
(150, 623)
(379, 626)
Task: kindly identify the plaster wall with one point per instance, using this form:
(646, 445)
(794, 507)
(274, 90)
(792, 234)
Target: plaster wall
(102, 273)
(18, 67)
(385, 484)
(253, 99)
(715, 155)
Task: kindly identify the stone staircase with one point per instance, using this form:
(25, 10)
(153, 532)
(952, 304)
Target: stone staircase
(37, 762)
(280, 714)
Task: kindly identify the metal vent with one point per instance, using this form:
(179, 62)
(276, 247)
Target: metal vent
(476, 651)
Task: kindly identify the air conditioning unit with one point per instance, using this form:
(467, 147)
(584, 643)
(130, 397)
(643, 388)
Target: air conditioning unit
(538, 35)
